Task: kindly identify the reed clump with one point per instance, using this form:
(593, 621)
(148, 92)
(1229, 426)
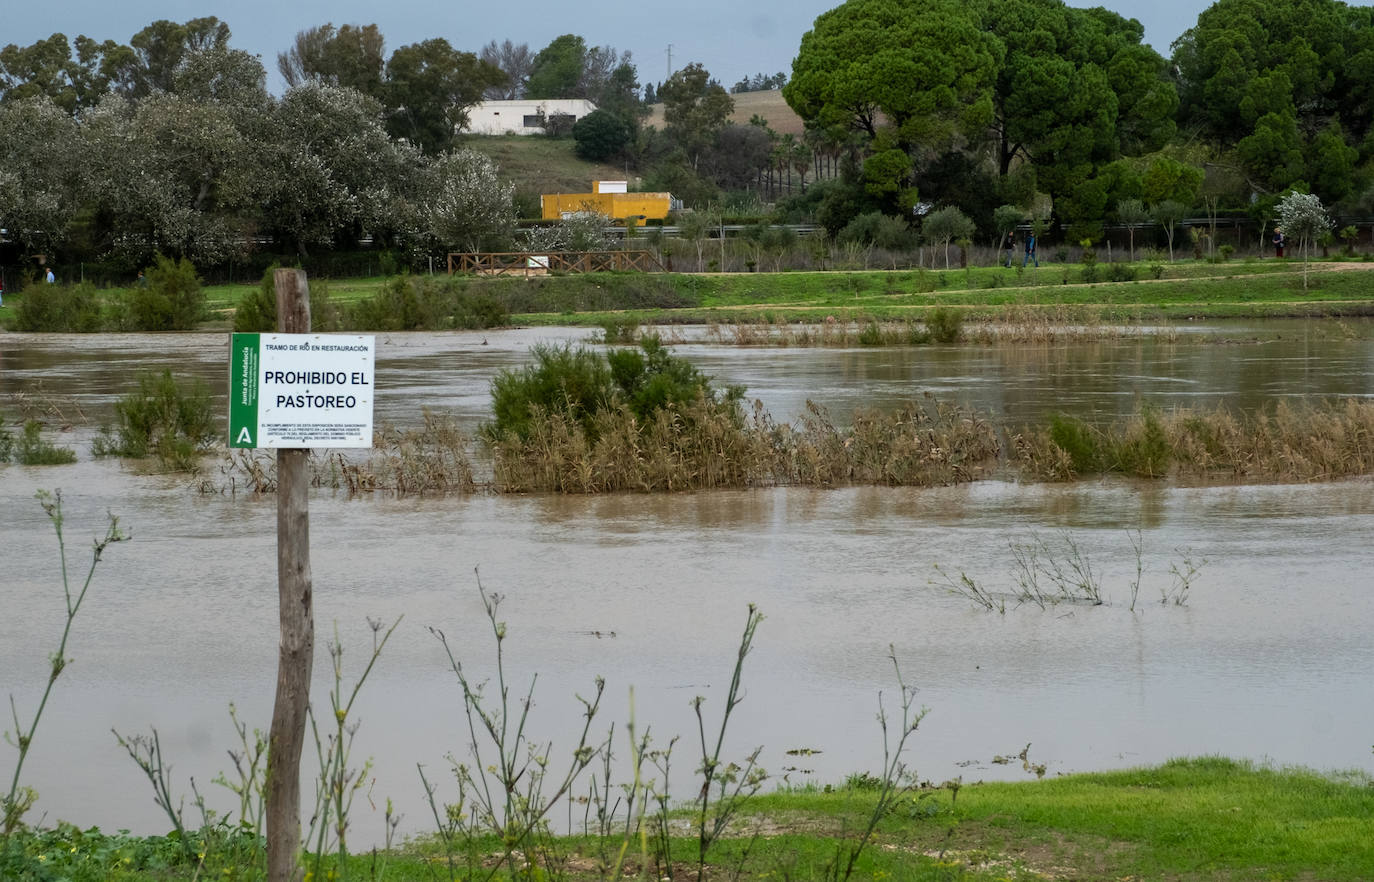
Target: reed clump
(1286, 442)
(431, 459)
(1017, 323)
(922, 443)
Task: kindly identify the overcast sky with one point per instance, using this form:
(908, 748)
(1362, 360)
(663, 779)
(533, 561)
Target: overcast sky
(732, 39)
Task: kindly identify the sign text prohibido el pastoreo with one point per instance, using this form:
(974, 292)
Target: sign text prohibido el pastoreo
(301, 390)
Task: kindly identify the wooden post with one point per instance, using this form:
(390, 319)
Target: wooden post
(295, 607)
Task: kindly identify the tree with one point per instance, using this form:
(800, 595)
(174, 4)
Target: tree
(601, 135)
(429, 88)
(331, 169)
(169, 174)
(161, 47)
(515, 62)
(1169, 179)
(924, 70)
(1167, 214)
(1005, 219)
(695, 109)
(42, 173)
(1303, 216)
(1276, 78)
(351, 56)
(1132, 213)
(466, 203)
(1075, 91)
(945, 225)
(557, 69)
(733, 162)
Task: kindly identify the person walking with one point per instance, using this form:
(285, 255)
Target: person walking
(1030, 250)
(1009, 246)
(1278, 242)
(50, 278)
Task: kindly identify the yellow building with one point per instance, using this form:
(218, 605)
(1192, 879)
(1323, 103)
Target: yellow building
(611, 199)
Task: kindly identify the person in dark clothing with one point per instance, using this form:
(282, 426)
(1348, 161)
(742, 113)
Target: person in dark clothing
(1030, 250)
(1009, 246)
(1278, 242)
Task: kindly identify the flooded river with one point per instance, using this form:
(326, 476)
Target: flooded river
(1270, 657)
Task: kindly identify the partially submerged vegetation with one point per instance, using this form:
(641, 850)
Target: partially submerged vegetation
(705, 444)
(1287, 442)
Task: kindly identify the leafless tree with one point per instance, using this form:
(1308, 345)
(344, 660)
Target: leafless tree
(515, 61)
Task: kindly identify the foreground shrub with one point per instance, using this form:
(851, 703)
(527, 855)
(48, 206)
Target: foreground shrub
(31, 449)
(59, 308)
(161, 418)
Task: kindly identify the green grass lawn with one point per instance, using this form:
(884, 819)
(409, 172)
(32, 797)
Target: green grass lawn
(1183, 290)
(1193, 820)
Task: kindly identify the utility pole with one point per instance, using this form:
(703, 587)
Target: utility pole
(296, 614)
(670, 63)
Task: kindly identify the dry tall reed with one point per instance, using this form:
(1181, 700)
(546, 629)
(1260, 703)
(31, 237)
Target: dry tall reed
(1285, 442)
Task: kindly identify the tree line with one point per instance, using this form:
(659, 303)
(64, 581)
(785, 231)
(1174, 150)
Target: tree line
(1006, 111)
(1065, 115)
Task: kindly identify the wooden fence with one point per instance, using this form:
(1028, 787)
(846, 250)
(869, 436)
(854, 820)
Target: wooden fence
(525, 263)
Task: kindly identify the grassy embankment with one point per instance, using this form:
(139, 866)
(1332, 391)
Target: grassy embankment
(1185, 290)
(1187, 821)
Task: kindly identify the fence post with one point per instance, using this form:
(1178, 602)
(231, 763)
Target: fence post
(295, 610)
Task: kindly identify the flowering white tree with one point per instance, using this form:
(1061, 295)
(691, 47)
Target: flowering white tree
(332, 167)
(41, 172)
(1303, 216)
(465, 201)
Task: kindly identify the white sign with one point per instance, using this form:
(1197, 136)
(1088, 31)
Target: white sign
(301, 390)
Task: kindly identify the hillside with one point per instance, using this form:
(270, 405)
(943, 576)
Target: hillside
(543, 165)
(768, 105)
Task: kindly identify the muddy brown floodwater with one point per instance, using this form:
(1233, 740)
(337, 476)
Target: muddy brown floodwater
(1270, 658)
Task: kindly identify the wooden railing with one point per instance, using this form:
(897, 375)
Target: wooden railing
(528, 263)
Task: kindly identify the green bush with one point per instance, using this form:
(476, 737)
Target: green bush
(871, 335)
(59, 308)
(257, 310)
(171, 298)
(31, 449)
(1121, 272)
(6, 443)
(580, 383)
(479, 310)
(161, 418)
(651, 378)
(575, 382)
(946, 325)
(422, 303)
(1079, 441)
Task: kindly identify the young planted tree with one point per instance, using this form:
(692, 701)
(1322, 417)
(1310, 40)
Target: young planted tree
(1132, 213)
(1303, 216)
(1167, 214)
(945, 225)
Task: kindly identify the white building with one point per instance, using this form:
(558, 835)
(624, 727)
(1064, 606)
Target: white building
(522, 116)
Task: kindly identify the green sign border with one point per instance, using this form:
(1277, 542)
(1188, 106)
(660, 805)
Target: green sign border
(244, 352)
